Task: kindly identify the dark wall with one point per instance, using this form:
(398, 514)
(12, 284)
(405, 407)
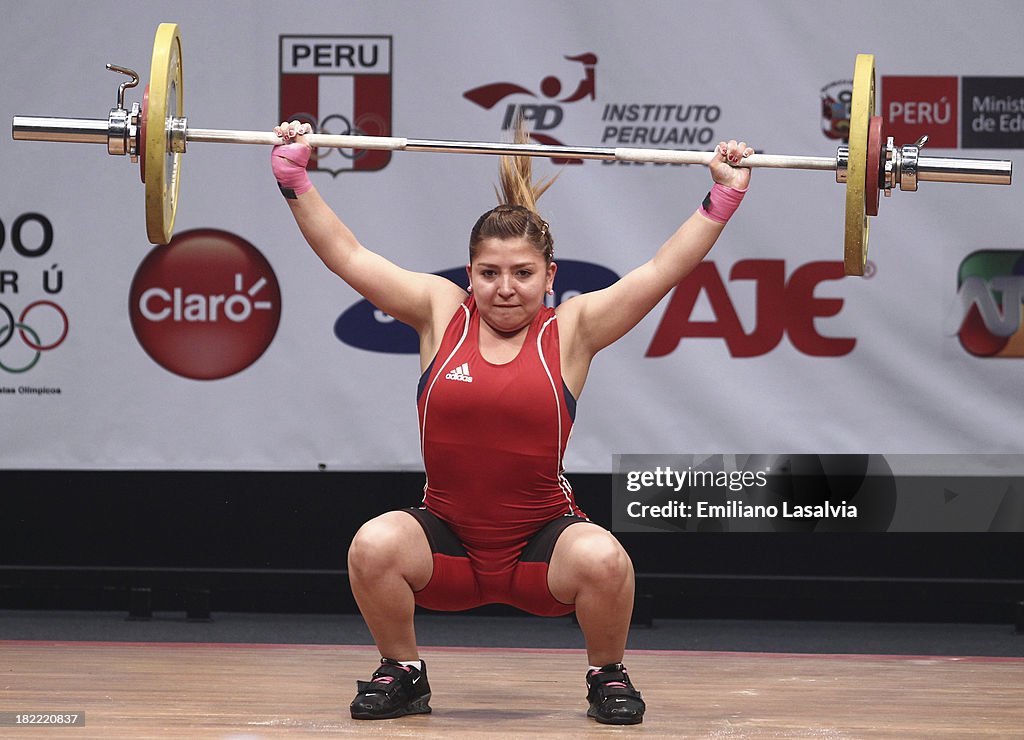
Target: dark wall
(276, 542)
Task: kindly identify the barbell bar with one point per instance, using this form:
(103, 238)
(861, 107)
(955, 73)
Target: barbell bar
(869, 165)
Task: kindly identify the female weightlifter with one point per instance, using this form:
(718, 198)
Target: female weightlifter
(501, 374)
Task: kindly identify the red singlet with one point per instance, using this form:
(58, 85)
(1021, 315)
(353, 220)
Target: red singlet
(493, 438)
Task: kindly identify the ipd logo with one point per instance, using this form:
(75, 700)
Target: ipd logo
(987, 314)
(540, 117)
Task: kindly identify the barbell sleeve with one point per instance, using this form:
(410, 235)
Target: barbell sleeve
(75, 130)
(980, 171)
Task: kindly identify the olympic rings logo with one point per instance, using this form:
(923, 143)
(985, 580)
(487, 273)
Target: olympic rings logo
(346, 129)
(29, 335)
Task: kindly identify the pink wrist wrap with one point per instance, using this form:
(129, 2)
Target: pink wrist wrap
(721, 202)
(288, 161)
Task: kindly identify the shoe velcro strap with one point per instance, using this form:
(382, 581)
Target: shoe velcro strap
(377, 687)
(399, 677)
(397, 672)
(600, 678)
(607, 692)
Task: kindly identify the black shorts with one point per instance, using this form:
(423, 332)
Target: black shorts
(458, 582)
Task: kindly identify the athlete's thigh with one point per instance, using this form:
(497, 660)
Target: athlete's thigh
(530, 588)
(453, 583)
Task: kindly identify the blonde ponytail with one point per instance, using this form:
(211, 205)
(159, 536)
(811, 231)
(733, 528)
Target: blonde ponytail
(516, 176)
(516, 216)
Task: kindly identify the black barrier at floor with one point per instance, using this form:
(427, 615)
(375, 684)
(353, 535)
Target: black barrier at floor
(201, 542)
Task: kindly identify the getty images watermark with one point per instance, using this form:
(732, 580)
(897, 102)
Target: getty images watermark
(820, 493)
(712, 492)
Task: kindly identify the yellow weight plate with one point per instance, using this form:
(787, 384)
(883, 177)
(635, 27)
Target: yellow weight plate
(163, 166)
(862, 108)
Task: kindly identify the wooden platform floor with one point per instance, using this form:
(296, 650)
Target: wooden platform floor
(245, 692)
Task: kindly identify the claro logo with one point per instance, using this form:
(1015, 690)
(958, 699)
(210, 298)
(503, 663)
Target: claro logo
(206, 306)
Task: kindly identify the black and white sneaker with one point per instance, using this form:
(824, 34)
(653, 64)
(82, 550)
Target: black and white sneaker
(613, 700)
(394, 690)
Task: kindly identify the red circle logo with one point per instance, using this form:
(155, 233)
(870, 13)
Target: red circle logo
(206, 306)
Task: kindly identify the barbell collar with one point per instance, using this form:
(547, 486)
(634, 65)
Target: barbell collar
(177, 134)
(122, 131)
(906, 167)
(117, 131)
(842, 163)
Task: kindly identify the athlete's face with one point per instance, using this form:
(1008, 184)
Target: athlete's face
(509, 279)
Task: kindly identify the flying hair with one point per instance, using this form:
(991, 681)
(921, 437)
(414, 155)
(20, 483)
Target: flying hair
(516, 216)
(516, 175)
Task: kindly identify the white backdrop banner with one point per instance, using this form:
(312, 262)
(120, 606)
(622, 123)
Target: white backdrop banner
(234, 348)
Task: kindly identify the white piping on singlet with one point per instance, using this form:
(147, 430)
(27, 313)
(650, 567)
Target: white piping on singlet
(430, 388)
(562, 482)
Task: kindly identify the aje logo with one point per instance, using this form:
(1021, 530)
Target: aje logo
(782, 307)
(987, 314)
(206, 306)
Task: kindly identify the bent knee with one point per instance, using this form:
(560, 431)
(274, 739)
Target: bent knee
(387, 540)
(597, 556)
(609, 559)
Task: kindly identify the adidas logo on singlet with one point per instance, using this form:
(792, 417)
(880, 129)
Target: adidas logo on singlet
(460, 372)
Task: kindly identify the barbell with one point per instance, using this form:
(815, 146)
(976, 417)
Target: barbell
(155, 133)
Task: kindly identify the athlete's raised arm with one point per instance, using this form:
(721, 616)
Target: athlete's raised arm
(418, 299)
(592, 321)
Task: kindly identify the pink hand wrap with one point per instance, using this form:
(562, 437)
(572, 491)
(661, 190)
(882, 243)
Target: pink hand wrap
(721, 203)
(288, 161)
